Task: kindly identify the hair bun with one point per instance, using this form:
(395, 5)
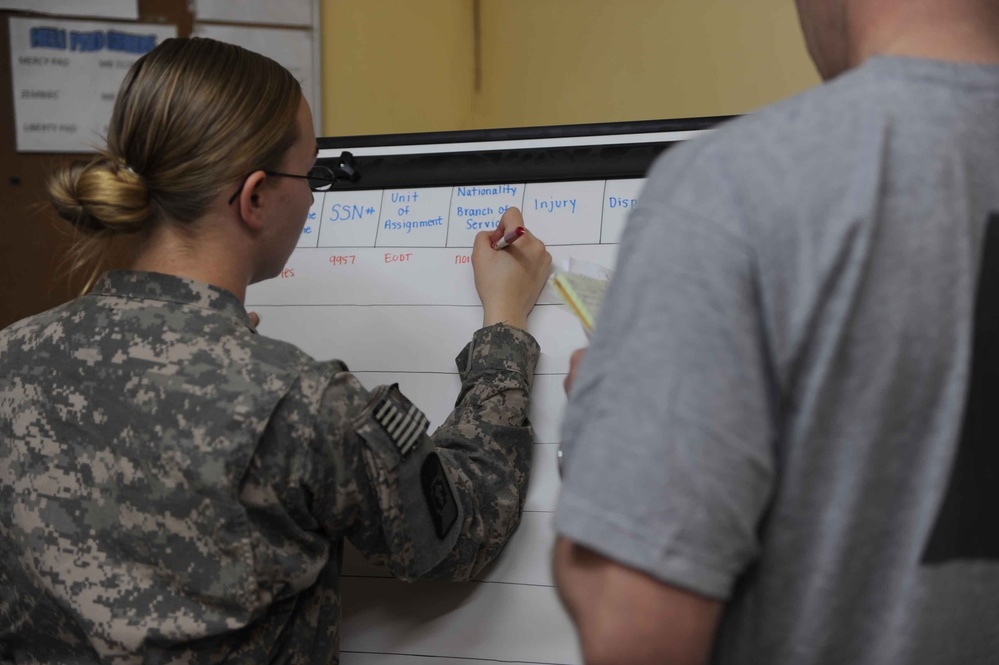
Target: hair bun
(101, 194)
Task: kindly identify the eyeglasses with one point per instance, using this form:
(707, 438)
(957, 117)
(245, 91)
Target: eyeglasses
(320, 179)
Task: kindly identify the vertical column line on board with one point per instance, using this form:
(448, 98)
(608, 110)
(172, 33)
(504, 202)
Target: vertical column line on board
(322, 219)
(319, 216)
(450, 206)
(381, 211)
(603, 202)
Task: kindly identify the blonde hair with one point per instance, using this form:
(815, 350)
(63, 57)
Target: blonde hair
(191, 117)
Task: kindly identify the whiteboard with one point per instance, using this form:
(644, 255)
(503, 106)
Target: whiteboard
(382, 279)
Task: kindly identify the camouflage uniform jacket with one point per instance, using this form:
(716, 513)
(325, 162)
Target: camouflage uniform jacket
(175, 488)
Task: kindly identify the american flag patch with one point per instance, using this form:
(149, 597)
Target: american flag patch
(404, 427)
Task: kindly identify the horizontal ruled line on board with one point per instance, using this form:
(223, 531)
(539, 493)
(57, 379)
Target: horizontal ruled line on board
(417, 371)
(431, 655)
(472, 658)
(540, 304)
(358, 305)
(461, 247)
(389, 577)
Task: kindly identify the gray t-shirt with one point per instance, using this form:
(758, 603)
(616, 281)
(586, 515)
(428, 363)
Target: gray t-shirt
(774, 400)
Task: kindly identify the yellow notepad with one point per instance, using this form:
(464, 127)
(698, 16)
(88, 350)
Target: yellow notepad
(583, 294)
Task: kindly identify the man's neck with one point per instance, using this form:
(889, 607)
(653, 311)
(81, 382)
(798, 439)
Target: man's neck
(951, 30)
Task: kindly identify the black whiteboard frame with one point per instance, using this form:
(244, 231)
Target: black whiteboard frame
(580, 161)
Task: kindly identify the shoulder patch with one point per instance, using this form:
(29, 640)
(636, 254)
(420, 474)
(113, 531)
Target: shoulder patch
(437, 492)
(404, 426)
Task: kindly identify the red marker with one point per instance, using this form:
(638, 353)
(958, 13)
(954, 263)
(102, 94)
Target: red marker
(508, 239)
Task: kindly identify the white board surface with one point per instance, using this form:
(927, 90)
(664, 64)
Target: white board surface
(382, 280)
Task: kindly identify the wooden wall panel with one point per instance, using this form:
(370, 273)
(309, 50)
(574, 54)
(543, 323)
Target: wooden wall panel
(33, 240)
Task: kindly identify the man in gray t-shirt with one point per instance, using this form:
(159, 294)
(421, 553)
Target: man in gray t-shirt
(779, 447)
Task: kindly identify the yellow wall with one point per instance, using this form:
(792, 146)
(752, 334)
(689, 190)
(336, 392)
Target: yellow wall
(407, 65)
(396, 65)
(559, 61)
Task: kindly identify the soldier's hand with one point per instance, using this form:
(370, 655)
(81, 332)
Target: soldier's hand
(254, 319)
(509, 280)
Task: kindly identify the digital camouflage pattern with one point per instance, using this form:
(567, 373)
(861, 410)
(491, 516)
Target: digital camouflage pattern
(175, 488)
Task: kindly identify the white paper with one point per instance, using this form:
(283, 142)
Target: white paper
(123, 9)
(292, 48)
(66, 75)
(274, 12)
(397, 303)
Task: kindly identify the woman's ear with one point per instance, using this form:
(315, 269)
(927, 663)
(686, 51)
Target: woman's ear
(250, 200)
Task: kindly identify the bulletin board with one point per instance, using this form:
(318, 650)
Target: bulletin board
(34, 273)
(33, 268)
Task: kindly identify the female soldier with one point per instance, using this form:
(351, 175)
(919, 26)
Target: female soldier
(175, 487)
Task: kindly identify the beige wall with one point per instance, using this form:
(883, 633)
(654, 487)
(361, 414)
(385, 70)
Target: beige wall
(408, 65)
(396, 65)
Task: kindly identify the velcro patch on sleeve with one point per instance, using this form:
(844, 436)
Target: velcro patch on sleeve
(437, 492)
(403, 426)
